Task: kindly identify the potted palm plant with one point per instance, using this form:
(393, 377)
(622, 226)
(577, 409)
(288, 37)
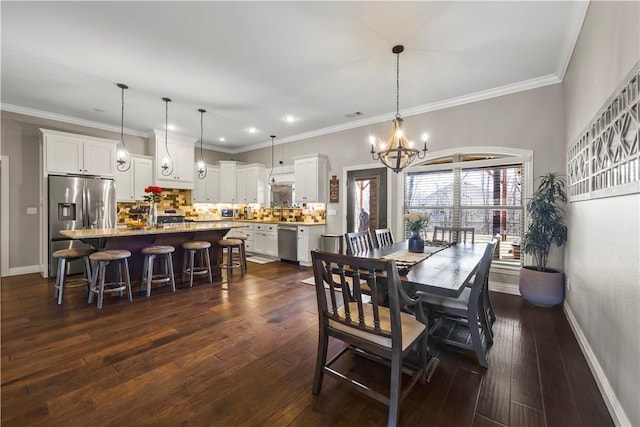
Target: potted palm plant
(539, 284)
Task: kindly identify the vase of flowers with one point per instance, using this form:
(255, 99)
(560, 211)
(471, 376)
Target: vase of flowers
(153, 196)
(417, 221)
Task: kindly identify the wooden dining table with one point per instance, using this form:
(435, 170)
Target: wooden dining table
(445, 271)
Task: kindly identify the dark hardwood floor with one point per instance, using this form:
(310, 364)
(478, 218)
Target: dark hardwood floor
(244, 354)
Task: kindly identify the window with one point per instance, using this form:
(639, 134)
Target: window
(483, 192)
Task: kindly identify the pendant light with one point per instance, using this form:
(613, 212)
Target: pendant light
(272, 180)
(123, 159)
(397, 153)
(167, 161)
(202, 169)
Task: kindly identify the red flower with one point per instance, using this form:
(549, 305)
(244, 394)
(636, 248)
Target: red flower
(154, 194)
(153, 189)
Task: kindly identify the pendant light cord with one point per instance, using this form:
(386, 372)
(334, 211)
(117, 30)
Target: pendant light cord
(397, 84)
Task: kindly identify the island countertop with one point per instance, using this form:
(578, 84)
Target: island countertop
(146, 231)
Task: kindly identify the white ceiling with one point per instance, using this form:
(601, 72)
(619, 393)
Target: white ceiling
(253, 63)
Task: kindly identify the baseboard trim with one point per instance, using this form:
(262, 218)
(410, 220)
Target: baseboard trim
(610, 399)
(504, 288)
(16, 271)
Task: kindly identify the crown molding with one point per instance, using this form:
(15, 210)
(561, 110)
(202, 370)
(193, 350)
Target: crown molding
(421, 109)
(68, 119)
(548, 80)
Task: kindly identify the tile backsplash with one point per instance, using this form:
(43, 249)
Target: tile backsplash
(181, 199)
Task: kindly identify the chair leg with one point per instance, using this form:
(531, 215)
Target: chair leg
(208, 261)
(128, 278)
(192, 256)
(149, 259)
(103, 266)
(229, 264)
(60, 279)
(169, 264)
(94, 282)
(321, 360)
(395, 387)
(476, 339)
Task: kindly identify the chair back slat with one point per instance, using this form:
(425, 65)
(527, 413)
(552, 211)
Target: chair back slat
(357, 242)
(384, 237)
(453, 234)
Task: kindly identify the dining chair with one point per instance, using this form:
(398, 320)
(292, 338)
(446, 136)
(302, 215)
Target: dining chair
(384, 334)
(453, 232)
(358, 241)
(384, 237)
(447, 315)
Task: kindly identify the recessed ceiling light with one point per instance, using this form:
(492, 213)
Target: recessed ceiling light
(252, 130)
(171, 127)
(98, 110)
(290, 119)
(221, 139)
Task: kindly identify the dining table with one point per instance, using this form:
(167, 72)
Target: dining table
(442, 269)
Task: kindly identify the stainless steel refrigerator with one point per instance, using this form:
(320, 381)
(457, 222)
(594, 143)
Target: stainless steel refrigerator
(77, 203)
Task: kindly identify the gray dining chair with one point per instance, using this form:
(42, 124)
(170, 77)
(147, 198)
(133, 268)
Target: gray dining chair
(446, 315)
(384, 334)
(384, 237)
(358, 241)
(453, 234)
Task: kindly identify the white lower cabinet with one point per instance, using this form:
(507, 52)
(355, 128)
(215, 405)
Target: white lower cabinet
(308, 240)
(265, 239)
(246, 230)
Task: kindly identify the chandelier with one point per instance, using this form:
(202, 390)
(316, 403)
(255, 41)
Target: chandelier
(397, 153)
(123, 159)
(202, 168)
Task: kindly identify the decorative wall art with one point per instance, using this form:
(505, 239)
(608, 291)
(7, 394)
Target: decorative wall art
(334, 190)
(605, 161)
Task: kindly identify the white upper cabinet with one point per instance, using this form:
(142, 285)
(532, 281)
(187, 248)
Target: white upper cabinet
(130, 184)
(310, 179)
(207, 190)
(68, 153)
(251, 183)
(181, 151)
(227, 181)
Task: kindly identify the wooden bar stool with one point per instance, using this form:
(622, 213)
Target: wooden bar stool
(231, 263)
(241, 255)
(190, 250)
(65, 255)
(164, 254)
(116, 257)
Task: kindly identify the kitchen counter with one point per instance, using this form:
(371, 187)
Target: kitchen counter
(147, 231)
(134, 240)
(256, 221)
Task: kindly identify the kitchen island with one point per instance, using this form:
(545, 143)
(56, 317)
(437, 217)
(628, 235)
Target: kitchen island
(136, 239)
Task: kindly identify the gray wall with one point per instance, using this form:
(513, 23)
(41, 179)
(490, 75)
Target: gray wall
(603, 251)
(531, 120)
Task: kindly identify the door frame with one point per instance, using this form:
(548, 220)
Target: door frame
(4, 216)
(343, 189)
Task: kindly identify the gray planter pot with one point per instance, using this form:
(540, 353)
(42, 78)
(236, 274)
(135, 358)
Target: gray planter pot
(543, 288)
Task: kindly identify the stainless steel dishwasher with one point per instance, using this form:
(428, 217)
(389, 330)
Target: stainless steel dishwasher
(288, 242)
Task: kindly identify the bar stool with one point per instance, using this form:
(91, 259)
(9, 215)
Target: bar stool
(241, 255)
(65, 255)
(190, 250)
(150, 254)
(231, 263)
(116, 257)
